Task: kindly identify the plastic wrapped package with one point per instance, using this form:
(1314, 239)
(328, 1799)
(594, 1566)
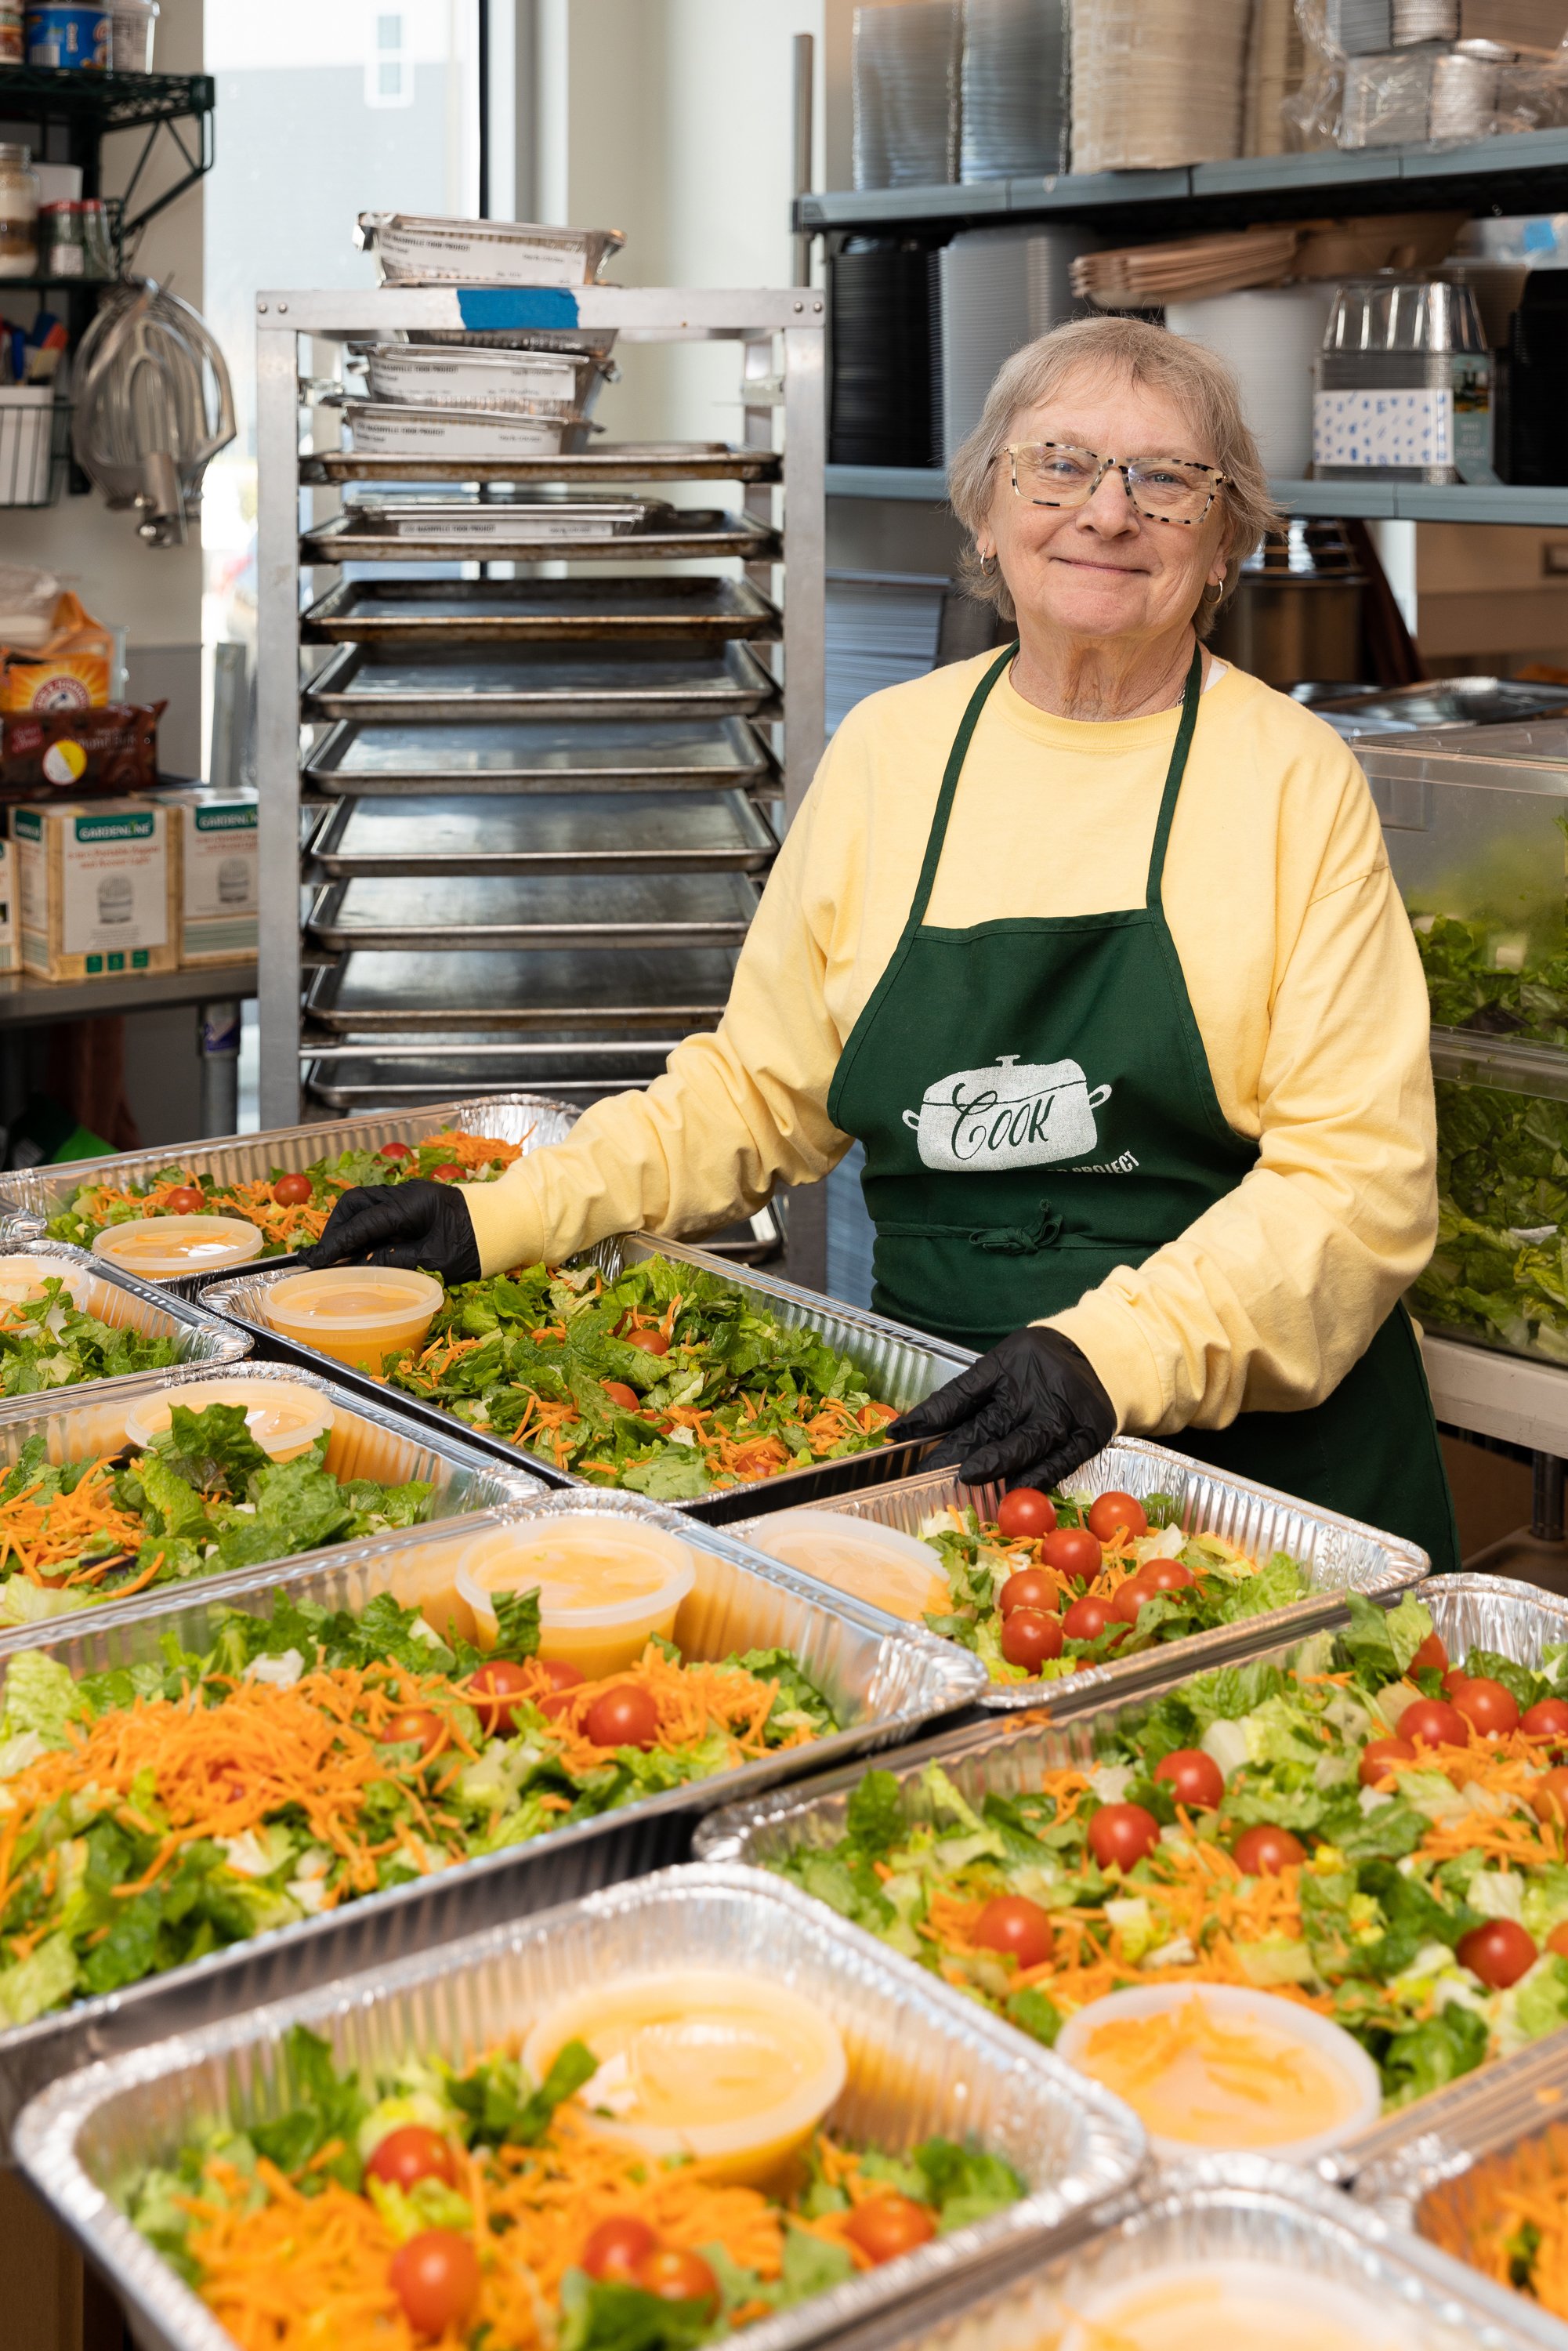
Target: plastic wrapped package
(1413, 21)
(1157, 83)
(1464, 95)
(1387, 99)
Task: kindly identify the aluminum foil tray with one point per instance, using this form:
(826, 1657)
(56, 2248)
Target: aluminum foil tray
(124, 1301)
(612, 461)
(919, 2065)
(901, 1366)
(699, 535)
(31, 1197)
(464, 913)
(1222, 2207)
(882, 1680)
(550, 989)
(556, 832)
(429, 612)
(476, 754)
(373, 683)
(1341, 1554)
(1006, 1758)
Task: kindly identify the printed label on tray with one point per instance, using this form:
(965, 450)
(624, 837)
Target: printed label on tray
(1384, 428)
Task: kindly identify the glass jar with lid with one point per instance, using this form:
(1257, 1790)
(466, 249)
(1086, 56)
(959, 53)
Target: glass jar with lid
(18, 213)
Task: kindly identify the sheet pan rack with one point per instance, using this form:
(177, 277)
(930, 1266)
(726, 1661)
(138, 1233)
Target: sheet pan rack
(532, 797)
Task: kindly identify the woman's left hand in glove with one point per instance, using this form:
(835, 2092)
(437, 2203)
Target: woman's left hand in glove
(1029, 1412)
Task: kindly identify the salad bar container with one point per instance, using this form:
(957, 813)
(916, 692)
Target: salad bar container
(612, 461)
(126, 1302)
(663, 832)
(921, 2063)
(899, 1366)
(884, 1682)
(30, 1199)
(688, 534)
(1208, 2214)
(376, 685)
(460, 612)
(1339, 1554)
(477, 753)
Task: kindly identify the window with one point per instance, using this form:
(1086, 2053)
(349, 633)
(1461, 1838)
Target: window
(389, 76)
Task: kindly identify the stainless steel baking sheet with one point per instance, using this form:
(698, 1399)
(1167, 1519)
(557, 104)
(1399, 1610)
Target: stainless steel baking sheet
(373, 1073)
(1340, 1553)
(554, 989)
(1006, 1758)
(126, 1303)
(899, 1366)
(610, 461)
(882, 1682)
(1216, 2209)
(509, 755)
(503, 611)
(377, 684)
(918, 2066)
(553, 832)
(29, 1198)
(699, 535)
(464, 912)
(527, 517)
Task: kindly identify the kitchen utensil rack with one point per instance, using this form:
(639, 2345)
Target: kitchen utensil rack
(376, 682)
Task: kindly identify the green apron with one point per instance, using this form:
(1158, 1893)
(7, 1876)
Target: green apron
(1002, 1188)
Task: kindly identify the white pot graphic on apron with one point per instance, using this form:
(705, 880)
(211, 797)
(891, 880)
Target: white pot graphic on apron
(1010, 1115)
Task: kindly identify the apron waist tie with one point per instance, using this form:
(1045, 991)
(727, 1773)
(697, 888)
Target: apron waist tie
(1047, 1231)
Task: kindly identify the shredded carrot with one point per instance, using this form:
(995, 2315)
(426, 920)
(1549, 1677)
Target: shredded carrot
(1489, 2215)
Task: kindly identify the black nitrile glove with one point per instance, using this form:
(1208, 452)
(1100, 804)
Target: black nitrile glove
(1028, 1413)
(415, 1223)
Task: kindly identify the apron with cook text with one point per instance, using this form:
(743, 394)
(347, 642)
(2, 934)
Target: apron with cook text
(1037, 1108)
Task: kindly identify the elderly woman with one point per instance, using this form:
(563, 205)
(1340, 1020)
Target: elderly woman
(1094, 945)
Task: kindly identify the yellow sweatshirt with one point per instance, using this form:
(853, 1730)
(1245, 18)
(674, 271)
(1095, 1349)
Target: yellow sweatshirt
(1299, 962)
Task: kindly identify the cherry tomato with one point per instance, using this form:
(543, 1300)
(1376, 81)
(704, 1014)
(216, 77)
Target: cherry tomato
(1430, 1657)
(1013, 1923)
(1025, 1512)
(1109, 1513)
(1432, 1722)
(184, 1200)
(1030, 1636)
(436, 2276)
(1265, 1851)
(1549, 1798)
(1547, 1718)
(394, 1151)
(492, 1690)
(677, 2276)
(885, 2226)
(1030, 1587)
(1072, 1551)
(619, 1393)
(1127, 1599)
(1192, 1777)
(1488, 1707)
(291, 1191)
(1120, 1835)
(650, 1342)
(1499, 1953)
(626, 1716)
(565, 1681)
(1377, 1755)
(1087, 1619)
(1167, 1576)
(1558, 1941)
(448, 1172)
(412, 1724)
(614, 2249)
(411, 2154)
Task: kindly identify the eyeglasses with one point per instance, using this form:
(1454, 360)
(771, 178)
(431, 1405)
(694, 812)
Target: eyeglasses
(1166, 489)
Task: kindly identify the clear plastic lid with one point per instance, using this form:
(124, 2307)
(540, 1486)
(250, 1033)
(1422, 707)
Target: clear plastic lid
(606, 1584)
(878, 1564)
(157, 1248)
(353, 1298)
(22, 1279)
(285, 1420)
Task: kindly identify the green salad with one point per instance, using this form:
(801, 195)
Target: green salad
(1366, 1829)
(308, 1758)
(51, 1342)
(202, 1499)
(667, 1380)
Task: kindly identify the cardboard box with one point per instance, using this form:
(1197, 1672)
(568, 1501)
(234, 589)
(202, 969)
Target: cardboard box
(97, 884)
(220, 875)
(9, 958)
(1531, 24)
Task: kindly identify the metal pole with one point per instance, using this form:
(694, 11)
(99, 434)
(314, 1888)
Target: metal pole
(1546, 1497)
(805, 542)
(804, 48)
(218, 1035)
(277, 704)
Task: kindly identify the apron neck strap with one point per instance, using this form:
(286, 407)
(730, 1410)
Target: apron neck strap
(951, 774)
(1179, 750)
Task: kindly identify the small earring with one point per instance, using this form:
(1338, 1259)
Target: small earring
(987, 565)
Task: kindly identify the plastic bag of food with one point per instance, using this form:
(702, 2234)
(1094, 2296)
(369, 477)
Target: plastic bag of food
(113, 748)
(68, 672)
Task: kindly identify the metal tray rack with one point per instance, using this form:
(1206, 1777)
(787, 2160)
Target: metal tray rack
(586, 758)
(882, 1680)
(901, 1366)
(1339, 1555)
(695, 534)
(918, 2065)
(379, 685)
(556, 833)
(1007, 1757)
(124, 1302)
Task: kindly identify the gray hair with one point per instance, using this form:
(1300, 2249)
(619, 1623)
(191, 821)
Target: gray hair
(1199, 380)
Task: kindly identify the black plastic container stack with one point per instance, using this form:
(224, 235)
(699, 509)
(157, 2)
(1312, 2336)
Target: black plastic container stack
(883, 334)
(1530, 442)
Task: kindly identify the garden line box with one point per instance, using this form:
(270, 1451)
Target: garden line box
(219, 890)
(96, 888)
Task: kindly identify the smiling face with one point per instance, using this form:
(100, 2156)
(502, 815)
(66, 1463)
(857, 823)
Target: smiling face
(1104, 570)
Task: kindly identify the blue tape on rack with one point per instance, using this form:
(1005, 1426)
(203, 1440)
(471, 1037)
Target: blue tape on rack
(491, 310)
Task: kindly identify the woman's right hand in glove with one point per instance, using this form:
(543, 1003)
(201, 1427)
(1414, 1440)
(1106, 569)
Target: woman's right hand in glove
(416, 1224)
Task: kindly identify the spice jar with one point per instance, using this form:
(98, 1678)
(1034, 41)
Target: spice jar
(98, 245)
(18, 214)
(61, 241)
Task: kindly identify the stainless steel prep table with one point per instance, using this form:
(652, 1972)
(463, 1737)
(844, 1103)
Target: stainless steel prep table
(503, 611)
(555, 833)
(479, 754)
(555, 988)
(468, 912)
(378, 684)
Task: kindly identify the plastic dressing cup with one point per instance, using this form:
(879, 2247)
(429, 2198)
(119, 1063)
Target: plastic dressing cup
(1219, 2069)
(606, 1586)
(877, 1564)
(355, 1313)
(733, 2069)
(1203, 2305)
(157, 1248)
(285, 1421)
(22, 1280)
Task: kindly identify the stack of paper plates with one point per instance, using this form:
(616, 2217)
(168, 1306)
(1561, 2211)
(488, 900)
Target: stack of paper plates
(905, 94)
(1270, 339)
(1424, 20)
(1151, 88)
(1387, 99)
(1138, 276)
(1015, 114)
